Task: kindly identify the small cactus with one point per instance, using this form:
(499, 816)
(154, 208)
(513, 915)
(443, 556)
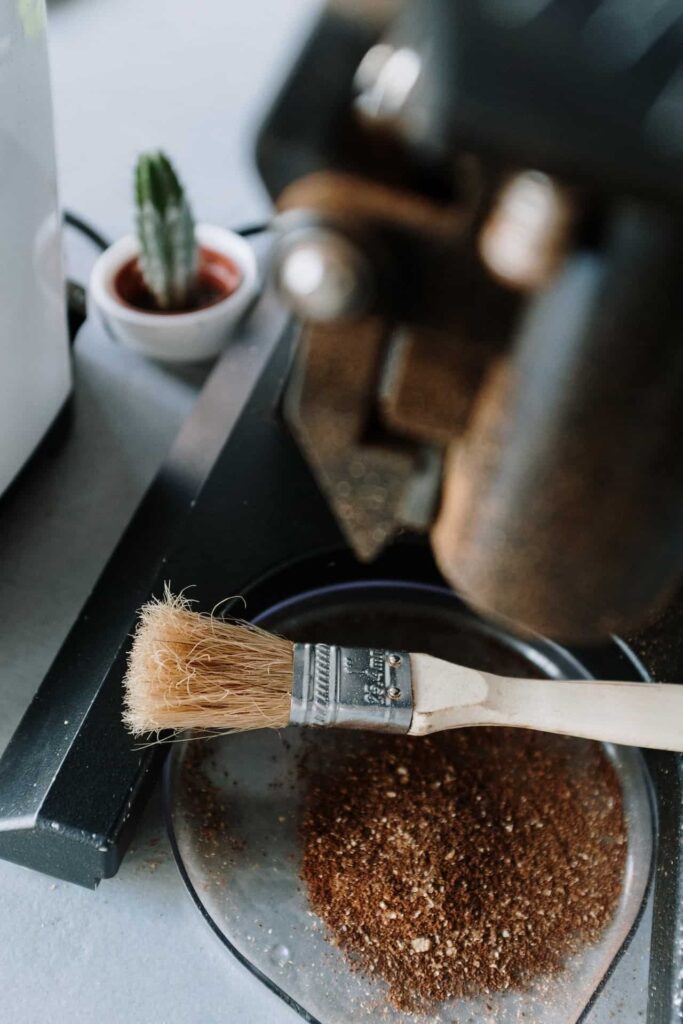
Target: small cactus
(169, 255)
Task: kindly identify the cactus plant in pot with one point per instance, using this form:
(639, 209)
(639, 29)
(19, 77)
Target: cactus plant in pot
(174, 290)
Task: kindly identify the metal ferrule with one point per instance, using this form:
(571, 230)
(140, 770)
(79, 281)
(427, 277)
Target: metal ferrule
(352, 688)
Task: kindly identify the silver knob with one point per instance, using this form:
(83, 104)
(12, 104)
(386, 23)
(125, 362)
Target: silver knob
(322, 275)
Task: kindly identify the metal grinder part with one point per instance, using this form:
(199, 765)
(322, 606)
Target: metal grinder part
(352, 688)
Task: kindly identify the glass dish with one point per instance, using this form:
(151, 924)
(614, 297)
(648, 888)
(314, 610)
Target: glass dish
(245, 879)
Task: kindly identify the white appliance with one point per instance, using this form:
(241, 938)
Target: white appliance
(35, 373)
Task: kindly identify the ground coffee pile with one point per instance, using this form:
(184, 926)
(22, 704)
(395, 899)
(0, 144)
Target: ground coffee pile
(463, 864)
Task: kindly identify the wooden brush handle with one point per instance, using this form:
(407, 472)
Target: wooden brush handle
(449, 696)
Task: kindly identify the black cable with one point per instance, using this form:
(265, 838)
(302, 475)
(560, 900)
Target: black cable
(78, 224)
(253, 229)
(75, 293)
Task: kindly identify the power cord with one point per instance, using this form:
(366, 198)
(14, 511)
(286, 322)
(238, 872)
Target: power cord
(72, 220)
(253, 229)
(75, 293)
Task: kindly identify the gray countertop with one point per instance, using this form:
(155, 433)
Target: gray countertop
(131, 74)
(136, 949)
(127, 75)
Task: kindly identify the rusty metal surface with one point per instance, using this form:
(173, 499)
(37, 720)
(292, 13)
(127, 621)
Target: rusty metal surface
(562, 511)
(430, 383)
(333, 386)
(372, 412)
(329, 407)
(373, 406)
(561, 508)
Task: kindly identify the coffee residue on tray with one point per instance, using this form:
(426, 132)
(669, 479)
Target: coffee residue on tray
(207, 810)
(466, 863)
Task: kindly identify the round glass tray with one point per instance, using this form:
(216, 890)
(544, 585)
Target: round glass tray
(233, 807)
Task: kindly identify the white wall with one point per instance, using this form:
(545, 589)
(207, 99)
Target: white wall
(191, 76)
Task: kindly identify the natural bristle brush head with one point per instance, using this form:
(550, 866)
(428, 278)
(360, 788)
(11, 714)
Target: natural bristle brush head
(188, 670)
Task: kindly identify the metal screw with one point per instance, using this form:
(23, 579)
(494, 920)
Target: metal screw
(526, 236)
(394, 660)
(394, 692)
(323, 276)
(371, 66)
(385, 78)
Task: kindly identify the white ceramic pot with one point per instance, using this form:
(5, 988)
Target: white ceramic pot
(175, 337)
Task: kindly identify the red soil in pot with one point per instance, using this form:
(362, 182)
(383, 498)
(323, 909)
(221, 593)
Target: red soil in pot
(218, 278)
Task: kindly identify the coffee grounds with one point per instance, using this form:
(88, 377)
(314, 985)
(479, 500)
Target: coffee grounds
(207, 810)
(463, 864)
